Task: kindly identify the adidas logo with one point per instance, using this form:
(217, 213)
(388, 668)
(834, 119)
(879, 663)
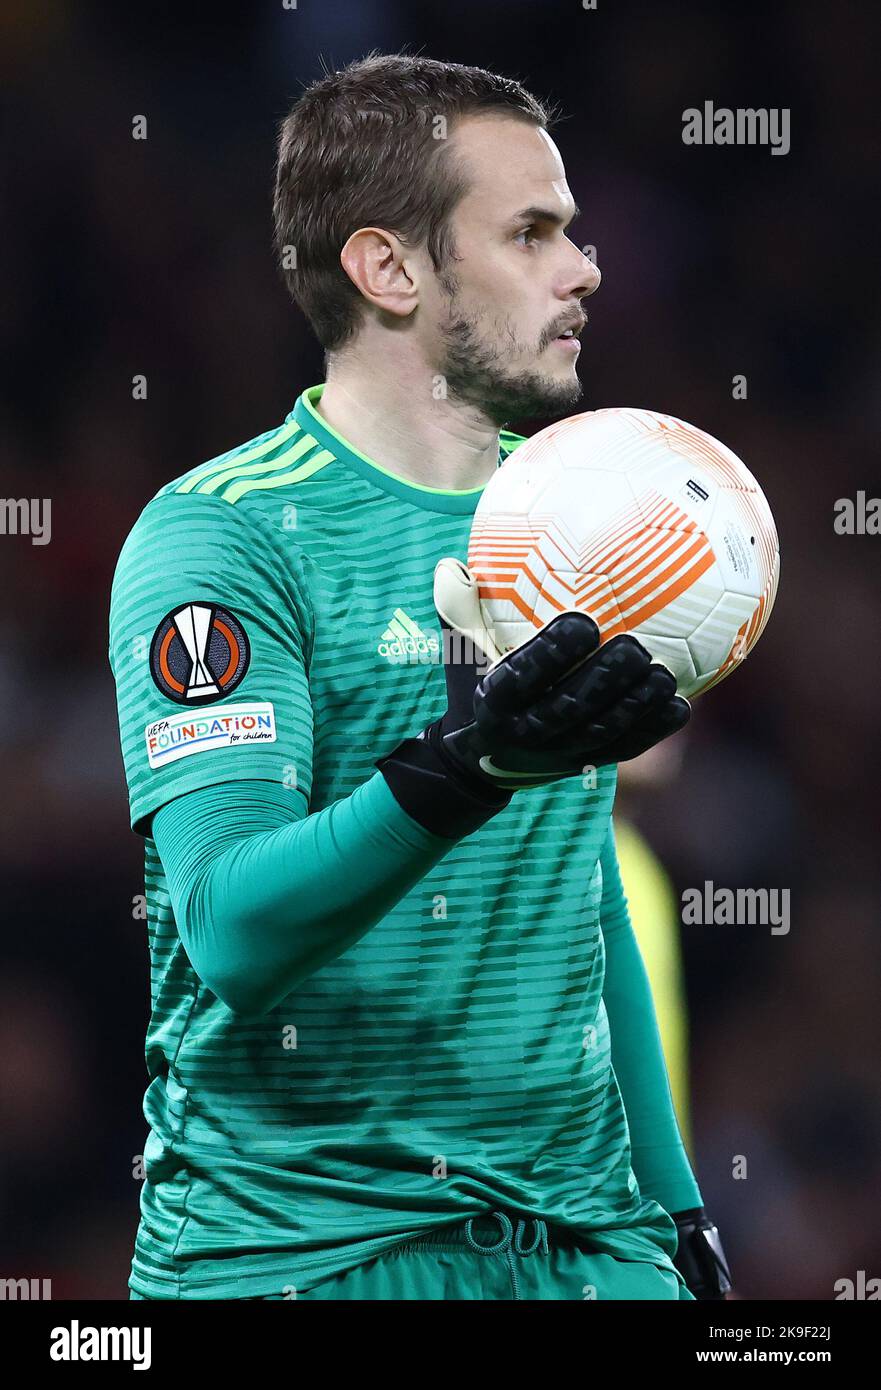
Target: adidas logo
(404, 641)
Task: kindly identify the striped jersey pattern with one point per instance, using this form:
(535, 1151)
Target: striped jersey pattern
(456, 1058)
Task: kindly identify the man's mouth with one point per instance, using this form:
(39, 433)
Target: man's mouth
(569, 335)
(568, 340)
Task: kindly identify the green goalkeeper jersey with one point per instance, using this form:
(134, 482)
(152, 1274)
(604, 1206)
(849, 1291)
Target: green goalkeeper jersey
(272, 618)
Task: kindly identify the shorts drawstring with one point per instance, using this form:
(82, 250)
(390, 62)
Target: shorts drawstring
(510, 1241)
(541, 1238)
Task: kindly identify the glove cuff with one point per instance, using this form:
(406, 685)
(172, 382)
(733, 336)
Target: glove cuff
(443, 799)
(700, 1258)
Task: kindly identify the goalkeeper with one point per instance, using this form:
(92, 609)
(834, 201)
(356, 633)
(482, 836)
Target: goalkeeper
(401, 1042)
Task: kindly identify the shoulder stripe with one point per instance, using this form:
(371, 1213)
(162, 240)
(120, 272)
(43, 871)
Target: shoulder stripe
(238, 489)
(225, 461)
(290, 456)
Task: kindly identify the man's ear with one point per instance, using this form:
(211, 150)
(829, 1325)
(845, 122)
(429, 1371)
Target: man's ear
(381, 269)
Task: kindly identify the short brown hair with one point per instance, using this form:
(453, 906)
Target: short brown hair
(359, 149)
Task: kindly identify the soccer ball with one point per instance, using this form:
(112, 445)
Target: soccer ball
(641, 520)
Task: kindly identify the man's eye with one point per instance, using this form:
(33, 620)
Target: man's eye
(528, 233)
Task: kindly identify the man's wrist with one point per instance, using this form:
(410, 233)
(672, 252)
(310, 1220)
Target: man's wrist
(441, 797)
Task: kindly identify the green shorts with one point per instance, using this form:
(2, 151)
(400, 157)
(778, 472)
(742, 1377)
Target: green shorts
(497, 1257)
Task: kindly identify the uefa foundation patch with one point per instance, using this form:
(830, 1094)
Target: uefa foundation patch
(224, 727)
(199, 653)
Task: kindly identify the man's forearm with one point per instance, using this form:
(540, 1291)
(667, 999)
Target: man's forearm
(659, 1159)
(264, 896)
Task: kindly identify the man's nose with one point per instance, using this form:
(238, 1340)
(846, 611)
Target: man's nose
(592, 277)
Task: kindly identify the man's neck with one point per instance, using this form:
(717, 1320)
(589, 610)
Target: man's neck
(398, 424)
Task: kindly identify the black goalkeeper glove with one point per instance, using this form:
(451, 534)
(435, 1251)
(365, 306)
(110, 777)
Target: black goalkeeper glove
(700, 1258)
(551, 708)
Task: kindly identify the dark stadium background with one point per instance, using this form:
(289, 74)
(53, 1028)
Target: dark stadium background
(153, 257)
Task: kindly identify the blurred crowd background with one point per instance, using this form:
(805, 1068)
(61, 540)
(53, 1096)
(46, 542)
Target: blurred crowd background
(153, 257)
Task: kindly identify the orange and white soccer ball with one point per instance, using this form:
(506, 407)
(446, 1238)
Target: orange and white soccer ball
(641, 520)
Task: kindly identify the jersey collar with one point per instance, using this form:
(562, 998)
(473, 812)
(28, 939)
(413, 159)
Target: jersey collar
(435, 499)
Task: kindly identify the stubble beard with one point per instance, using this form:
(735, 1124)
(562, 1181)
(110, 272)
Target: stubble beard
(474, 371)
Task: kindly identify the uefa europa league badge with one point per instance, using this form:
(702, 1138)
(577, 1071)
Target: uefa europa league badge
(199, 653)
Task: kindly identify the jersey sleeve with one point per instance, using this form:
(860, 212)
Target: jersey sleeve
(660, 1162)
(210, 638)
